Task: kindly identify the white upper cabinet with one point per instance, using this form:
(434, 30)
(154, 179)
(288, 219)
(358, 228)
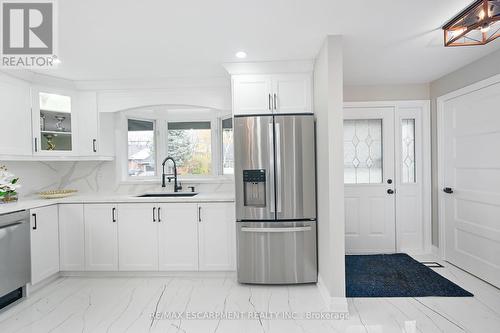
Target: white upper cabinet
(252, 94)
(88, 123)
(292, 93)
(44, 243)
(268, 94)
(53, 119)
(15, 104)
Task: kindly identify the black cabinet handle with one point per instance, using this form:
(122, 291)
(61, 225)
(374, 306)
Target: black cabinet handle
(94, 147)
(36, 144)
(154, 214)
(448, 190)
(390, 191)
(113, 214)
(199, 213)
(35, 226)
(159, 214)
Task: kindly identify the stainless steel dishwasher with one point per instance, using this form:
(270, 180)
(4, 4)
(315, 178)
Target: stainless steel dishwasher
(15, 266)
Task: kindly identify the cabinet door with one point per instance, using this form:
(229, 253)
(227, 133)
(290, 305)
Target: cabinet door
(292, 93)
(44, 243)
(15, 98)
(252, 94)
(101, 237)
(216, 236)
(88, 123)
(71, 237)
(178, 237)
(138, 237)
(53, 122)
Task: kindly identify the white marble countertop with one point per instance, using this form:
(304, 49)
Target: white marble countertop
(35, 202)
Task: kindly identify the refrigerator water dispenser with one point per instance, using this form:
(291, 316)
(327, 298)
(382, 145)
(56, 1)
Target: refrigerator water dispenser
(254, 187)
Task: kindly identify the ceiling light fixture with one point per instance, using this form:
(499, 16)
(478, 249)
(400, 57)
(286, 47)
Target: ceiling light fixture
(477, 24)
(241, 54)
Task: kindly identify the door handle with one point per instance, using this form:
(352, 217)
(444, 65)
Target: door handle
(266, 230)
(278, 167)
(270, 133)
(390, 191)
(35, 226)
(448, 190)
(154, 214)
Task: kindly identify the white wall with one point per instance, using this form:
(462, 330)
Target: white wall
(481, 69)
(401, 92)
(328, 83)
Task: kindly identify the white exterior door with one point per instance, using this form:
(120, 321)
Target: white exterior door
(138, 237)
(470, 200)
(101, 237)
(178, 237)
(369, 180)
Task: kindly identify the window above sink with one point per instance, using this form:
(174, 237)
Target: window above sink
(199, 140)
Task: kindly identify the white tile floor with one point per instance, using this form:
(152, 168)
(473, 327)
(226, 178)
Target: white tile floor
(126, 305)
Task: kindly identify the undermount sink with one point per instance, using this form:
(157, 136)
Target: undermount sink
(171, 194)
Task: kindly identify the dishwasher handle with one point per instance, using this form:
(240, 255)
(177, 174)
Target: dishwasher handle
(10, 225)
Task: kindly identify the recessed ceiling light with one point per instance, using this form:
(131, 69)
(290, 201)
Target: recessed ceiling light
(241, 54)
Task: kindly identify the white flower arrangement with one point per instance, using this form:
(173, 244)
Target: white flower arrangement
(8, 183)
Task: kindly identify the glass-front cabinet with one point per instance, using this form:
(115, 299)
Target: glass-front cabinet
(53, 122)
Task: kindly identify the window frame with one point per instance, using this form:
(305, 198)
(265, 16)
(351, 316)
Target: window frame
(160, 125)
(155, 136)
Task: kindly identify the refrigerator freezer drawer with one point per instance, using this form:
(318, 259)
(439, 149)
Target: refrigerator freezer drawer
(277, 252)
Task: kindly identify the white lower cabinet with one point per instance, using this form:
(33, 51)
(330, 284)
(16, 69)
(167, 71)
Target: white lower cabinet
(216, 234)
(71, 237)
(138, 237)
(101, 237)
(132, 237)
(44, 243)
(178, 237)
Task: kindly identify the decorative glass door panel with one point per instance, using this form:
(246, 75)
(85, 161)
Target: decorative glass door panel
(55, 124)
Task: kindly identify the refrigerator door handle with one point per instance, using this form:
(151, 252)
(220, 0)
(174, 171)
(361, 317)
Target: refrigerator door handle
(278, 168)
(266, 230)
(271, 162)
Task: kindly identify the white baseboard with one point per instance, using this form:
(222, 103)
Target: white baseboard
(30, 289)
(194, 274)
(333, 304)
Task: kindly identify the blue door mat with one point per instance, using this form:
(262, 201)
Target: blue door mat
(395, 275)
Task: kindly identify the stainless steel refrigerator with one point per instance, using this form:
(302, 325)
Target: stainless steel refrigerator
(275, 180)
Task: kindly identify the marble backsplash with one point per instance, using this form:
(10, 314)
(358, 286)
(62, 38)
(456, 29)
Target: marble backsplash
(90, 177)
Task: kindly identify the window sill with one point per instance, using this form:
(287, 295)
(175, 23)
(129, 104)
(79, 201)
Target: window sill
(184, 180)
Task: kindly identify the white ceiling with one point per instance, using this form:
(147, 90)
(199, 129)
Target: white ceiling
(386, 41)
